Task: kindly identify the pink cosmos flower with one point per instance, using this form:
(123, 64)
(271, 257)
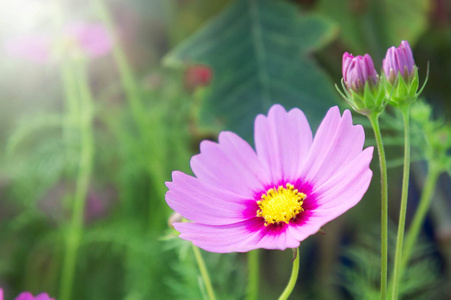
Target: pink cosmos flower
(357, 71)
(399, 60)
(28, 296)
(277, 195)
(91, 38)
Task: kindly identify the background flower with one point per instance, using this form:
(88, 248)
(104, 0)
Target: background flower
(90, 38)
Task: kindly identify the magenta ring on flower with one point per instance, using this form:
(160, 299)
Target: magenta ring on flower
(277, 195)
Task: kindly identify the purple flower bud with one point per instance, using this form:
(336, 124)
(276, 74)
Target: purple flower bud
(399, 60)
(357, 71)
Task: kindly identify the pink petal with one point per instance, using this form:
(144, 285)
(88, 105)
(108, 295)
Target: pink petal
(341, 192)
(336, 143)
(224, 238)
(282, 141)
(92, 38)
(206, 204)
(277, 238)
(25, 296)
(35, 48)
(239, 237)
(1, 294)
(231, 165)
(43, 296)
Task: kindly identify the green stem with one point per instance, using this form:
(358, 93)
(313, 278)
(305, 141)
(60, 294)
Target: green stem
(294, 276)
(374, 119)
(253, 274)
(72, 107)
(151, 143)
(420, 214)
(204, 273)
(403, 208)
(75, 229)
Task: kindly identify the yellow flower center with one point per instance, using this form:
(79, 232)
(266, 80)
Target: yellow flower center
(281, 204)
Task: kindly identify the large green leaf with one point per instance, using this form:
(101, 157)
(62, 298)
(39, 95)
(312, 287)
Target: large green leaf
(260, 51)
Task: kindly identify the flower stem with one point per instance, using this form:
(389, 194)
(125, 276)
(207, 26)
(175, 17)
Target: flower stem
(403, 209)
(151, 143)
(204, 273)
(75, 229)
(374, 119)
(294, 276)
(72, 105)
(420, 215)
(252, 281)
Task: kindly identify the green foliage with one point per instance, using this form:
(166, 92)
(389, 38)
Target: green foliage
(260, 52)
(361, 274)
(374, 25)
(228, 278)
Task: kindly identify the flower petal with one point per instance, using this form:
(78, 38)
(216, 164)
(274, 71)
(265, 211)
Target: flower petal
(231, 165)
(341, 192)
(25, 296)
(92, 38)
(223, 238)
(336, 143)
(201, 203)
(34, 48)
(282, 141)
(239, 237)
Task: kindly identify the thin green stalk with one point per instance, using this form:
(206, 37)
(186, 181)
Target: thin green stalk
(374, 119)
(72, 105)
(294, 277)
(253, 274)
(420, 214)
(75, 229)
(403, 208)
(204, 273)
(153, 148)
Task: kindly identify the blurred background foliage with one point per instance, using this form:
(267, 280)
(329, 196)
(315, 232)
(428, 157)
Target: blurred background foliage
(179, 72)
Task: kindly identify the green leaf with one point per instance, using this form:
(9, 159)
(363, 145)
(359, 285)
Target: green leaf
(260, 51)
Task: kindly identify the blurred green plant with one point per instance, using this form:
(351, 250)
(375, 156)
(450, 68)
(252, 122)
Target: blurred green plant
(260, 53)
(359, 273)
(376, 25)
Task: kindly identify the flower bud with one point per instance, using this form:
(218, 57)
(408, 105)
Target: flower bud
(399, 61)
(361, 84)
(357, 71)
(401, 75)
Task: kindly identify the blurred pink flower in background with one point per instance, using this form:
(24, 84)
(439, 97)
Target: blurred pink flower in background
(90, 38)
(36, 48)
(99, 202)
(197, 76)
(28, 296)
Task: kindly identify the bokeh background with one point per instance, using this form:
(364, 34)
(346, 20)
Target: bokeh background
(178, 72)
